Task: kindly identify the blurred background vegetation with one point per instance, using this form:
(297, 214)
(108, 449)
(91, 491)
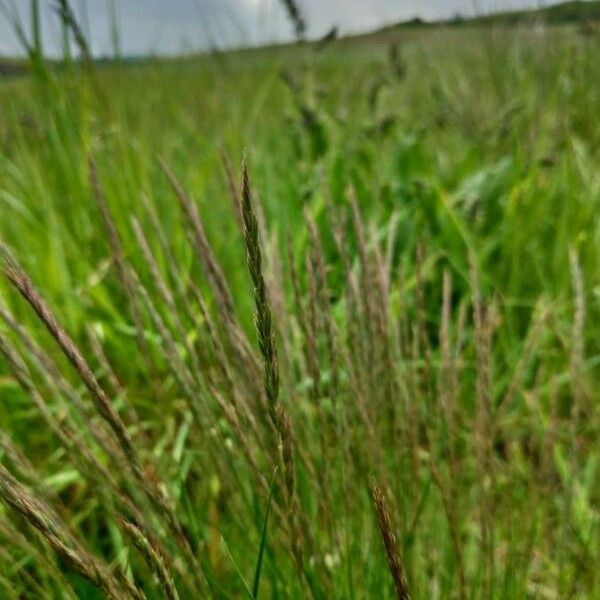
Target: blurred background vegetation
(470, 142)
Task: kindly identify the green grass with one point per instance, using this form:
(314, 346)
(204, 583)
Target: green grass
(470, 152)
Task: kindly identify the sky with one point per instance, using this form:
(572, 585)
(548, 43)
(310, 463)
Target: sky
(183, 26)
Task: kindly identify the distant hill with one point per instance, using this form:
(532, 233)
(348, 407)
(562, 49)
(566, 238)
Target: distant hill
(577, 12)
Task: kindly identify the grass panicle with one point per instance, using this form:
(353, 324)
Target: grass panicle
(389, 542)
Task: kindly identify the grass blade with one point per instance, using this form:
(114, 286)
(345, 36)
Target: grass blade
(263, 540)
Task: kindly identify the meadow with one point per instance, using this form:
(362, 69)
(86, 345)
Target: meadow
(312, 321)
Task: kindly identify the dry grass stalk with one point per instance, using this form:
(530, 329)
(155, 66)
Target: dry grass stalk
(422, 329)
(78, 450)
(108, 372)
(449, 504)
(205, 254)
(390, 252)
(485, 433)
(578, 337)
(224, 366)
(366, 292)
(24, 469)
(312, 340)
(119, 260)
(202, 247)
(182, 375)
(483, 323)
(17, 568)
(317, 259)
(152, 557)
(359, 345)
(264, 324)
(195, 383)
(99, 354)
(33, 545)
(194, 387)
(62, 541)
(16, 457)
(448, 377)
(529, 349)
(387, 369)
(67, 434)
(547, 469)
(402, 325)
(19, 279)
(54, 380)
(177, 278)
(232, 187)
(355, 355)
(80, 453)
(446, 392)
(165, 293)
(221, 357)
(85, 422)
(245, 358)
(352, 347)
(278, 294)
(309, 342)
(389, 542)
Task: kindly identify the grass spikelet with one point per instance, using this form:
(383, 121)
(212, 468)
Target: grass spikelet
(20, 280)
(152, 558)
(62, 428)
(31, 543)
(61, 540)
(219, 286)
(264, 321)
(54, 380)
(20, 465)
(389, 542)
(266, 341)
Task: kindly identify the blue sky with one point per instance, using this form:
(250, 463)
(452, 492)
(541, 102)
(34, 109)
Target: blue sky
(174, 26)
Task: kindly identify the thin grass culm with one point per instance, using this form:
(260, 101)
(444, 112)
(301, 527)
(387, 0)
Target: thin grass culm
(266, 340)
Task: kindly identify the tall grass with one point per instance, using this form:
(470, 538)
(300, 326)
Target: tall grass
(397, 316)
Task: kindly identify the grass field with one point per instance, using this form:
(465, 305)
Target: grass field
(367, 371)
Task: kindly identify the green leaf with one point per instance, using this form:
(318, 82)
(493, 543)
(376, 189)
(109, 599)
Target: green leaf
(263, 541)
(237, 569)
